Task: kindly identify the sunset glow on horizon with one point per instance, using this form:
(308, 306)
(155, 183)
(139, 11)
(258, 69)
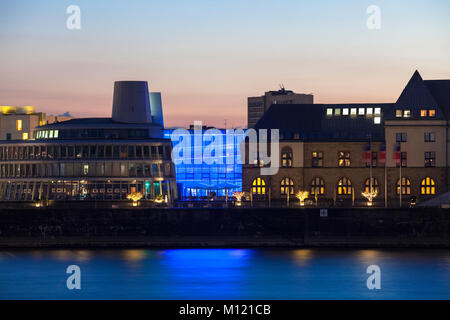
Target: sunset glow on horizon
(207, 57)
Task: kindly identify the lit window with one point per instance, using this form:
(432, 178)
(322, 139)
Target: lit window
(344, 159)
(344, 186)
(46, 134)
(423, 113)
(345, 111)
(287, 186)
(259, 186)
(286, 158)
(372, 183)
(317, 159)
(337, 112)
(51, 134)
(85, 169)
(398, 113)
(55, 134)
(317, 186)
(361, 111)
(369, 111)
(19, 125)
(405, 186)
(377, 120)
(329, 112)
(25, 136)
(406, 113)
(353, 111)
(427, 186)
(377, 111)
(432, 113)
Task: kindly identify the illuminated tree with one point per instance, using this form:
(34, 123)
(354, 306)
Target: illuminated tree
(301, 196)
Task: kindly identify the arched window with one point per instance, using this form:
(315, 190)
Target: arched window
(317, 186)
(287, 185)
(427, 186)
(344, 186)
(375, 186)
(286, 157)
(259, 186)
(406, 186)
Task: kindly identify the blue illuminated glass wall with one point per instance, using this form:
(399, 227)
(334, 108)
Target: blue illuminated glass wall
(195, 181)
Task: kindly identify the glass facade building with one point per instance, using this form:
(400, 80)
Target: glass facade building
(197, 179)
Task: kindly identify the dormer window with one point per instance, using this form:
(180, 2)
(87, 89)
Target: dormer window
(432, 113)
(406, 113)
(398, 113)
(423, 113)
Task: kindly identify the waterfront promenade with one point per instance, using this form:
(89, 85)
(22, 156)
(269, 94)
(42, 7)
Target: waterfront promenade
(224, 227)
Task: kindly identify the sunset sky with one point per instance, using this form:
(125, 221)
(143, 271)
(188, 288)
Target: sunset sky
(207, 57)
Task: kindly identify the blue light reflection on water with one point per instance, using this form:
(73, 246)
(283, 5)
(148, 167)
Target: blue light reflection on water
(225, 274)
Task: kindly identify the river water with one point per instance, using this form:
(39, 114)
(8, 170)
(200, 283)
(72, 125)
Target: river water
(225, 274)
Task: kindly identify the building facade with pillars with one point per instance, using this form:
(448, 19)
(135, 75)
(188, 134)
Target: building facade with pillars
(93, 158)
(337, 151)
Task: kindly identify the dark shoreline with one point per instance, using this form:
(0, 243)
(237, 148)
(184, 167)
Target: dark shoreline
(223, 228)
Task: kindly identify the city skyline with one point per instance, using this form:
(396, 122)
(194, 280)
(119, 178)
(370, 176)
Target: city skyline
(208, 73)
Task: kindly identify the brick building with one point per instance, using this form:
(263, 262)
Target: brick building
(337, 151)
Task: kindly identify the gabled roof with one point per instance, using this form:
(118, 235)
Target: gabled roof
(416, 94)
(425, 94)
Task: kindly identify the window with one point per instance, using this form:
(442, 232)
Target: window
(329, 112)
(344, 159)
(403, 160)
(406, 113)
(85, 169)
(286, 158)
(345, 111)
(259, 186)
(375, 186)
(432, 113)
(430, 137)
(317, 186)
(287, 186)
(19, 125)
(369, 111)
(377, 120)
(353, 111)
(405, 186)
(427, 186)
(430, 159)
(423, 113)
(337, 112)
(398, 113)
(377, 111)
(317, 159)
(374, 159)
(344, 186)
(361, 111)
(25, 136)
(401, 137)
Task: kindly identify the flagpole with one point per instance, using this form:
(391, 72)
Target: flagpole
(401, 184)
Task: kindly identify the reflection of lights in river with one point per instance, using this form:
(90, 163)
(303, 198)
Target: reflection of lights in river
(302, 256)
